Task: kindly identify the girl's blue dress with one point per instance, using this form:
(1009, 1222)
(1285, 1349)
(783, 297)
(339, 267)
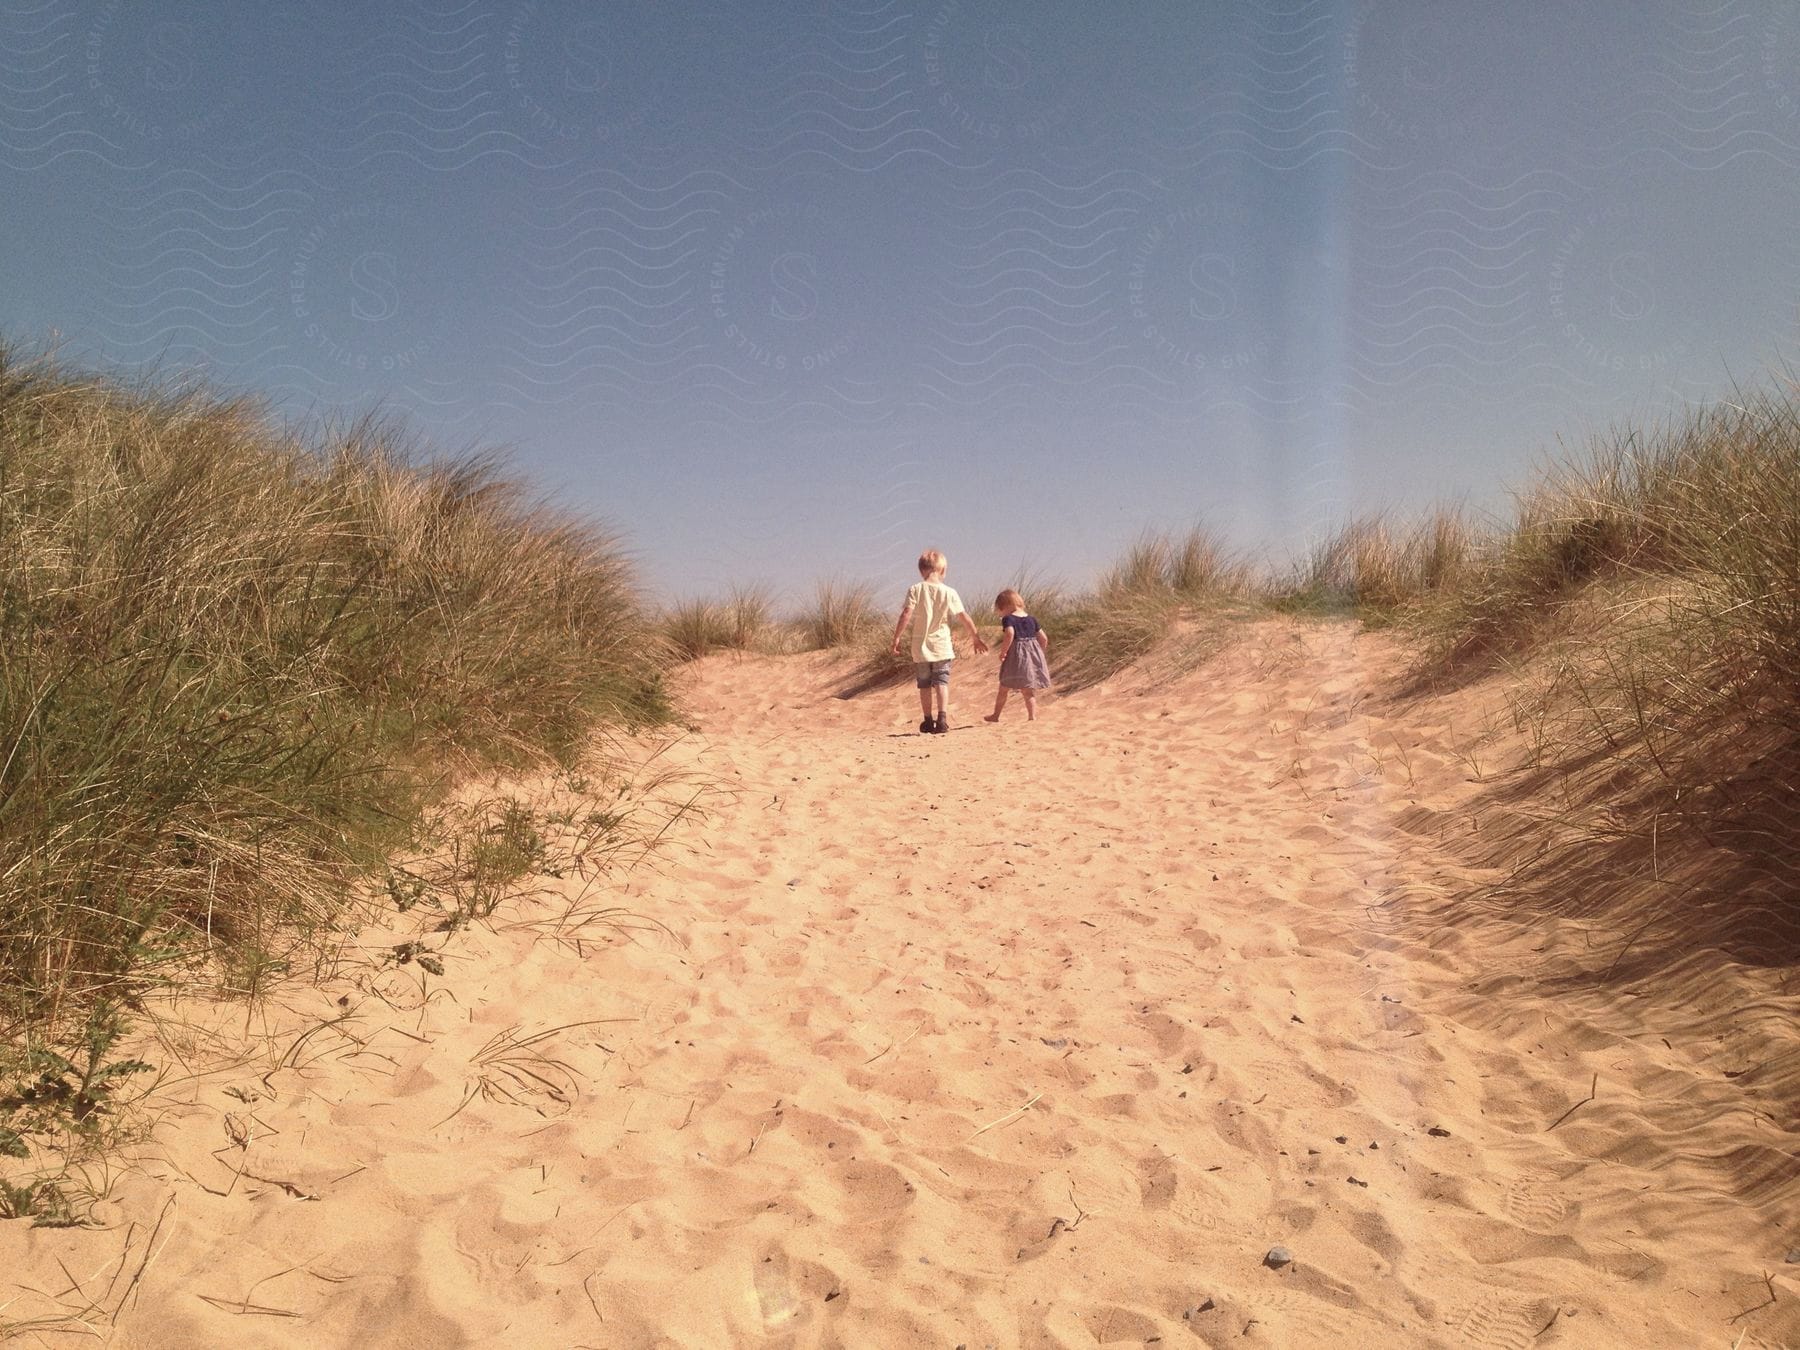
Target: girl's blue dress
(1024, 666)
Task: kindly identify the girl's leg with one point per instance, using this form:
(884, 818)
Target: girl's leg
(999, 706)
(1031, 705)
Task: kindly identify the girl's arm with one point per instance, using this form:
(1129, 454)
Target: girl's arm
(1007, 634)
(1043, 639)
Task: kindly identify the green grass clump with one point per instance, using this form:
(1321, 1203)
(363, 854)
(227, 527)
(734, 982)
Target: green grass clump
(237, 659)
(842, 614)
(1161, 581)
(839, 616)
(1376, 572)
(1655, 586)
(749, 618)
(1704, 511)
(743, 622)
(1597, 518)
(696, 628)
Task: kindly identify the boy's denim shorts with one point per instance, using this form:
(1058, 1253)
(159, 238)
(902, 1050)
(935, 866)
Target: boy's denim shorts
(929, 673)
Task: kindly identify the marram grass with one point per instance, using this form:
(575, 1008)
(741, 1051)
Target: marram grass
(237, 659)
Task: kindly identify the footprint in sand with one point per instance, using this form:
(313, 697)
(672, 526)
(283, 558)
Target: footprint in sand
(1296, 1316)
(1204, 939)
(1165, 1031)
(1113, 1325)
(665, 1010)
(786, 964)
(776, 1299)
(1496, 1323)
(1156, 1181)
(814, 1131)
(1201, 1206)
(1295, 1085)
(1531, 1203)
(875, 1193)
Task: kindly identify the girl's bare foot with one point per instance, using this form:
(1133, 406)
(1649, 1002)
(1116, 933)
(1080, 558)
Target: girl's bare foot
(991, 717)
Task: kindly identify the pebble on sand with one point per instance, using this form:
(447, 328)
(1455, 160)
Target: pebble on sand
(1278, 1257)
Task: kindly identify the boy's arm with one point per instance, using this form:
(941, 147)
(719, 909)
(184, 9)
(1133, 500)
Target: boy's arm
(974, 632)
(900, 627)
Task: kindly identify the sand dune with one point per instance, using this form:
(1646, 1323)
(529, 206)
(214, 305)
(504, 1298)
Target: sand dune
(1021, 1036)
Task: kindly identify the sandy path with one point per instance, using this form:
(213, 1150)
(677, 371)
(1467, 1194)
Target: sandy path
(1022, 1036)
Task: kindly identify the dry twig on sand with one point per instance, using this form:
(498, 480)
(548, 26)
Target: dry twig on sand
(85, 1314)
(1008, 1118)
(1769, 1283)
(511, 1069)
(1593, 1092)
(894, 1045)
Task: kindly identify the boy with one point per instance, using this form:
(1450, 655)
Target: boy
(930, 605)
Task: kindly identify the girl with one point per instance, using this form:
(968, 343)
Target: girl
(1023, 665)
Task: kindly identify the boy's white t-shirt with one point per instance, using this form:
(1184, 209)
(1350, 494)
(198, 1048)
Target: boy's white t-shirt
(933, 605)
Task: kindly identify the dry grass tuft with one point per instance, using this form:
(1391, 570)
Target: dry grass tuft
(1161, 581)
(1655, 587)
(843, 614)
(743, 622)
(1375, 571)
(237, 659)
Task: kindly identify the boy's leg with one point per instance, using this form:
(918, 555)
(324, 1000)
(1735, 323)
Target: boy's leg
(924, 700)
(999, 705)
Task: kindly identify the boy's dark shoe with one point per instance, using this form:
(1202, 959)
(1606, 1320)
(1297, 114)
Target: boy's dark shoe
(928, 726)
(941, 724)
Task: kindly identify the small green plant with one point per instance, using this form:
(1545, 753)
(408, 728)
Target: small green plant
(79, 1087)
(404, 953)
(41, 1201)
(251, 968)
(488, 856)
(404, 889)
(64, 1095)
(511, 846)
(603, 822)
(476, 856)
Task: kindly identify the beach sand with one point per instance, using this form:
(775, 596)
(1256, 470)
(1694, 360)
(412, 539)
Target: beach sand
(1028, 1035)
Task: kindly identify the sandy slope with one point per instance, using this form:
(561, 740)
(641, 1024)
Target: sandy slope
(1029, 1035)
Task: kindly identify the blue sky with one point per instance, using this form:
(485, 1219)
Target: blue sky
(787, 292)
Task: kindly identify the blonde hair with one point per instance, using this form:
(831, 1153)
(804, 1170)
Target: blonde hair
(931, 561)
(1009, 599)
